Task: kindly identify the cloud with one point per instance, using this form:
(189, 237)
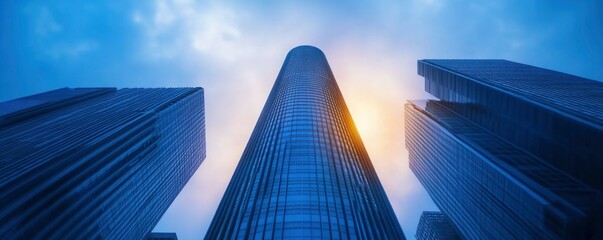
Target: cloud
(72, 50)
(234, 50)
(45, 22)
(217, 31)
(184, 28)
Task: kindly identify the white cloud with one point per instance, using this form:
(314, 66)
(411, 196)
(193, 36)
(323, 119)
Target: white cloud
(216, 32)
(164, 15)
(180, 28)
(235, 50)
(245, 50)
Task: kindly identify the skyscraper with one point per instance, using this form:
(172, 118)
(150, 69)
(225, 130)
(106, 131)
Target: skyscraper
(488, 151)
(555, 116)
(435, 226)
(305, 172)
(96, 163)
(162, 236)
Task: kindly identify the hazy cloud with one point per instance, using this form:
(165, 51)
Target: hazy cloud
(234, 50)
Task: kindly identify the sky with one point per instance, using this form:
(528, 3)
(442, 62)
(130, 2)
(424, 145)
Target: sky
(234, 50)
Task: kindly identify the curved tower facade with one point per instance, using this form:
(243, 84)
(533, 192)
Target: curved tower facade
(305, 172)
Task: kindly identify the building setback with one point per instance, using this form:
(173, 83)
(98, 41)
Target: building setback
(489, 151)
(555, 116)
(96, 163)
(435, 225)
(305, 172)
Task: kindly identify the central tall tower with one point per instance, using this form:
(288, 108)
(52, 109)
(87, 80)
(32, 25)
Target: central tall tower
(305, 172)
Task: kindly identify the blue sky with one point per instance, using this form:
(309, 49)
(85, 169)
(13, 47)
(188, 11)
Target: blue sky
(234, 50)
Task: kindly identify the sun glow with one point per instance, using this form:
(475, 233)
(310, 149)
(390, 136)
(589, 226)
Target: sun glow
(378, 121)
(367, 122)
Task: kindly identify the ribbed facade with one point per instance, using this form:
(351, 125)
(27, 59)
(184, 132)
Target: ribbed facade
(555, 116)
(435, 226)
(305, 173)
(96, 163)
(489, 188)
(482, 151)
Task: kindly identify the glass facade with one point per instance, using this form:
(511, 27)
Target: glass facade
(484, 150)
(555, 116)
(435, 226)
(489, 188)
(162, 236)
(305, 173)
(96, 163)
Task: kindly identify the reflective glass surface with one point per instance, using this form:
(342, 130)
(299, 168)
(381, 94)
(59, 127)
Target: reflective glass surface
(556, 116)
(305, 173)
(488, 187)
(435, 225)
(96, 163)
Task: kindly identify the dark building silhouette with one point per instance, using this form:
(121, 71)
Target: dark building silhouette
(96, 163)
(162, 236)
(305, 173)
(435, 225)
(510, 150)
